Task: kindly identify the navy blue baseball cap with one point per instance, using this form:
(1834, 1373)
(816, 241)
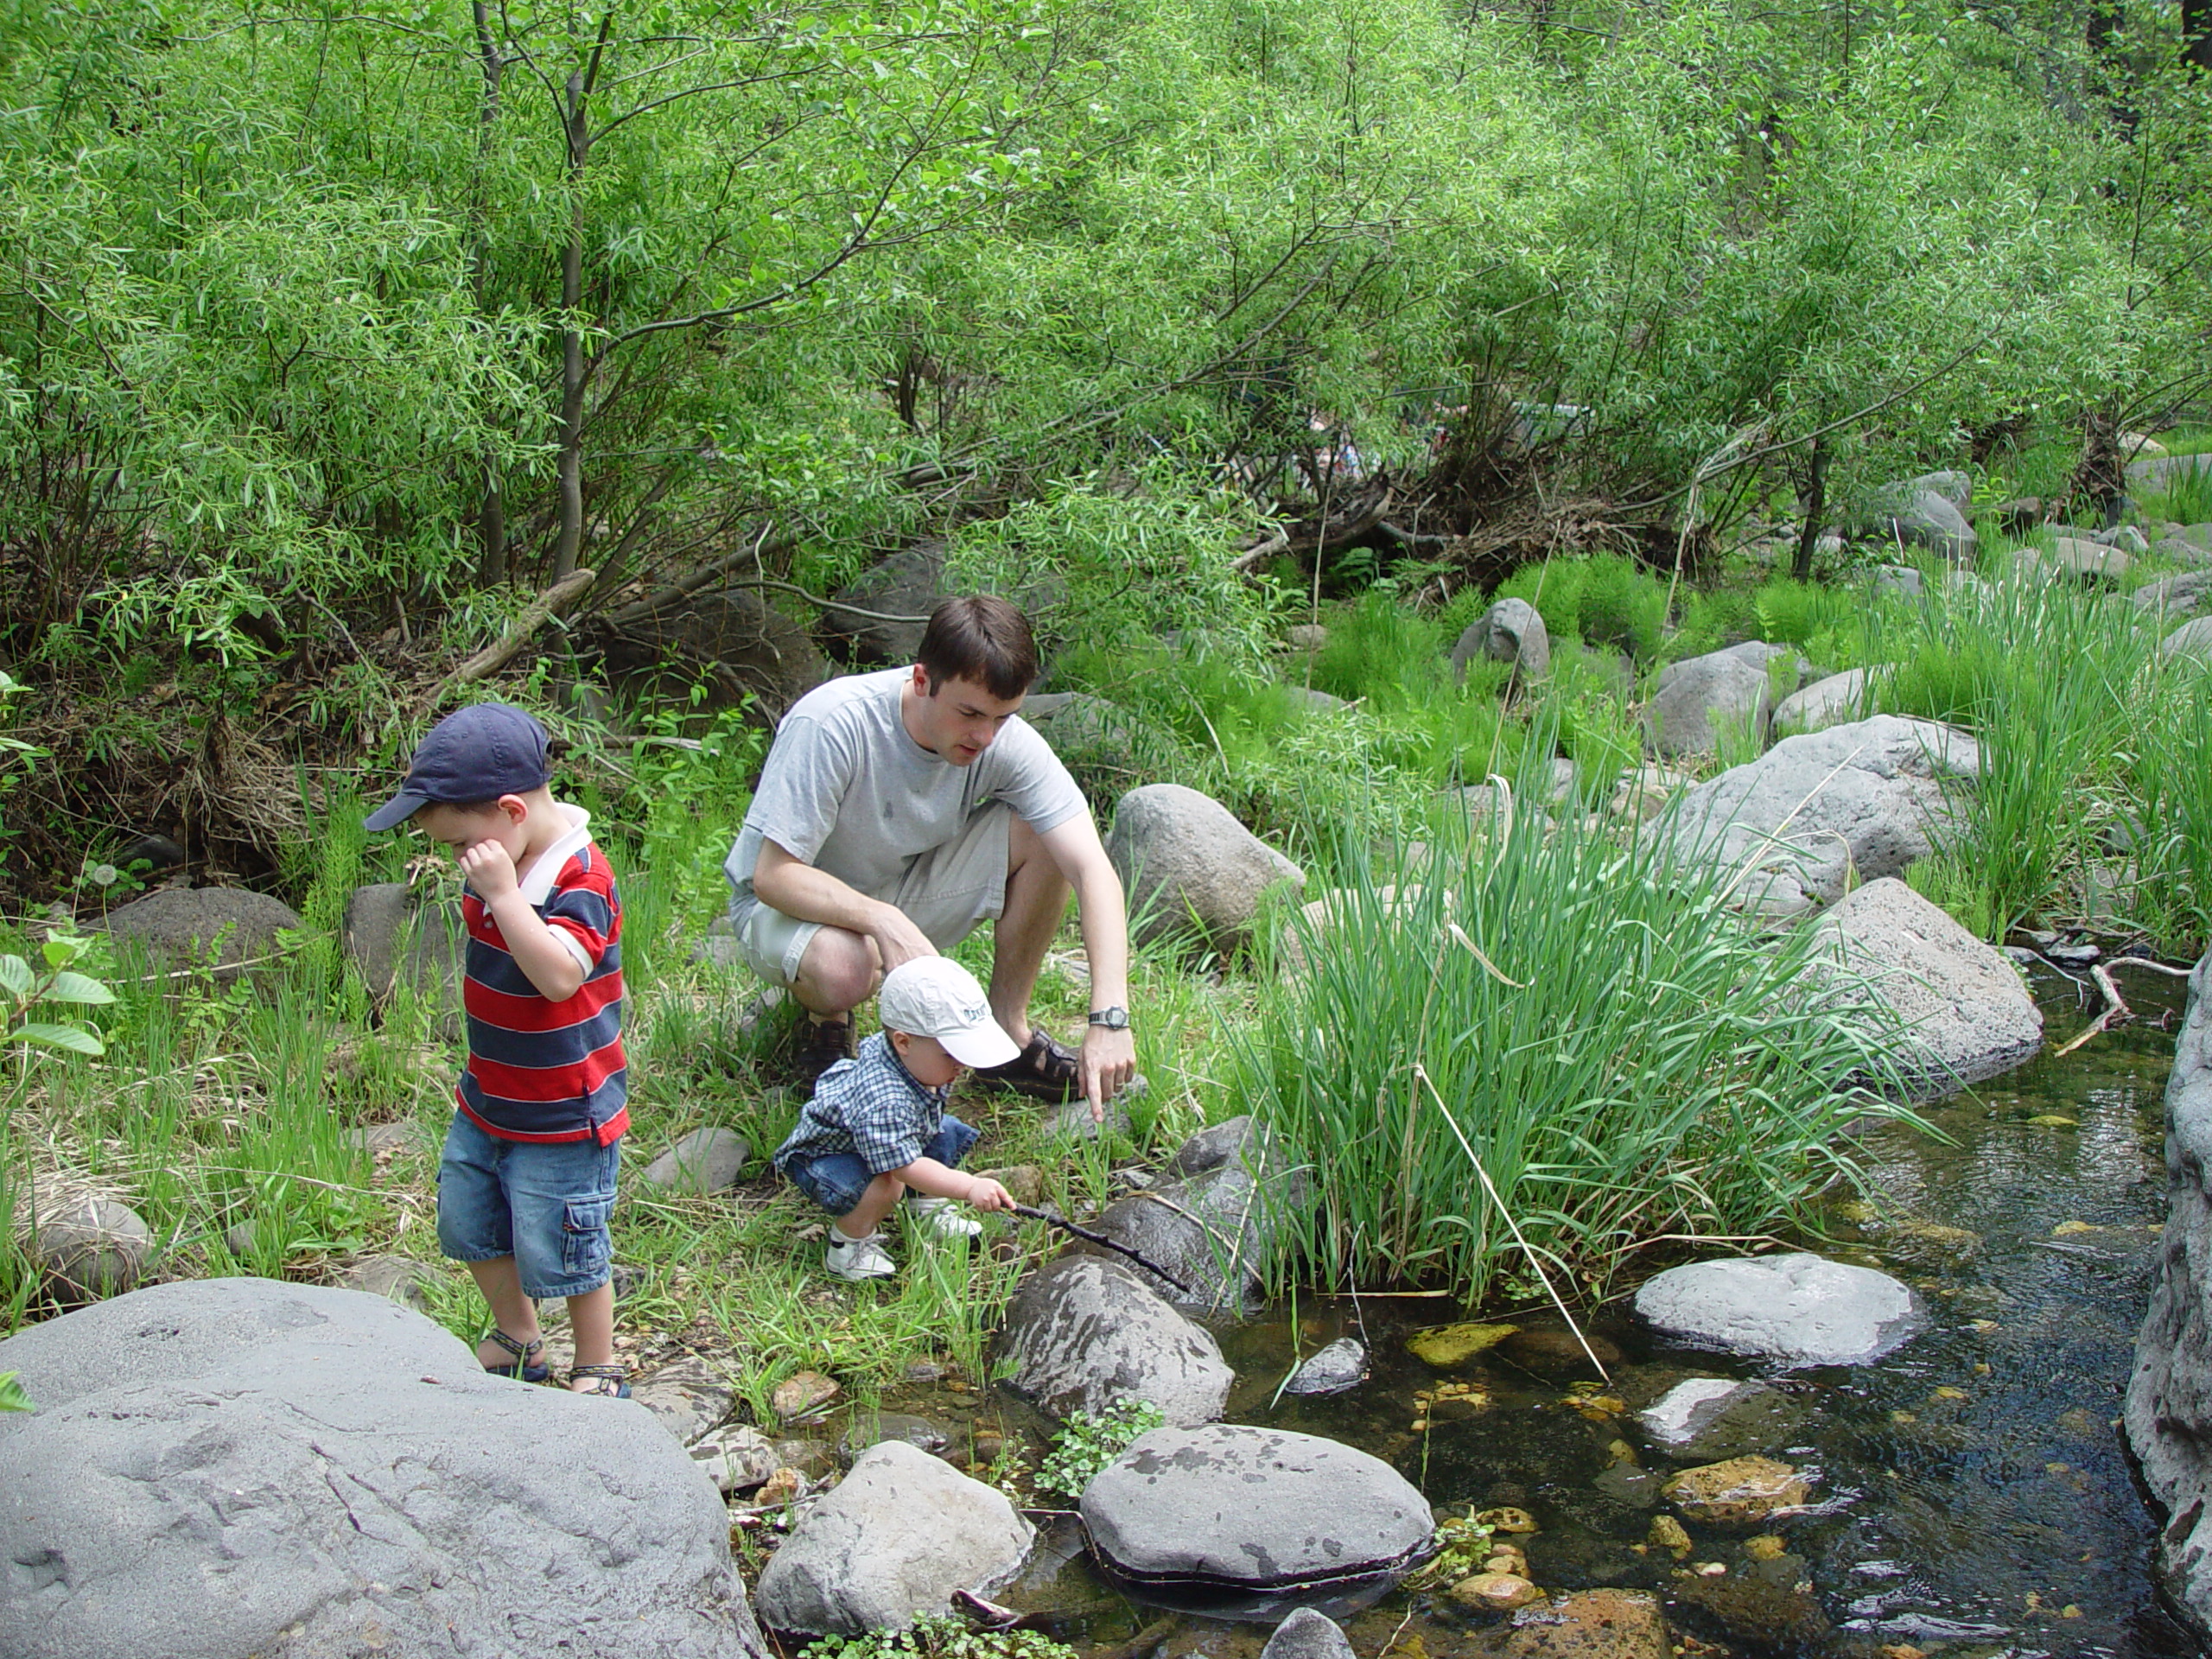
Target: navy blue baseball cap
(476, 754)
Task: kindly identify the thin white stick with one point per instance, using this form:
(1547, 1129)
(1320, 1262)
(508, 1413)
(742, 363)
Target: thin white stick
(1526, 1249)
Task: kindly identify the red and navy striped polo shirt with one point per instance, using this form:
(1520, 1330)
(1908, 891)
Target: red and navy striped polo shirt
(540, 1070)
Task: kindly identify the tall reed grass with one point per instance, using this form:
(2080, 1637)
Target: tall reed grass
(1624, 1057)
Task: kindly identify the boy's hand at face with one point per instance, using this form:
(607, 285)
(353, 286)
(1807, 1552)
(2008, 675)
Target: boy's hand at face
(489, 870)
(990, 1195)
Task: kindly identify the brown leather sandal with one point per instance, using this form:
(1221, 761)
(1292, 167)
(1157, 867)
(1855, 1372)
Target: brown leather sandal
(1043, 1071)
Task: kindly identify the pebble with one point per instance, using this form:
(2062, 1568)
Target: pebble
(98, 1247)
(1764, 1548)
(1667, 1533)
(1496, 1593)
(1506, 1520)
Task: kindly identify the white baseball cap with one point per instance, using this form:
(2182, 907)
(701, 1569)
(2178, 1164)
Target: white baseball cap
(935, 996)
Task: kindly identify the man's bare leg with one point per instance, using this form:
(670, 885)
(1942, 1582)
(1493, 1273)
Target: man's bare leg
(836, 973)
(1036, 904)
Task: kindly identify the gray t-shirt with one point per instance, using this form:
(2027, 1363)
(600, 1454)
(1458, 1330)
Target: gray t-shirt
(846, 789)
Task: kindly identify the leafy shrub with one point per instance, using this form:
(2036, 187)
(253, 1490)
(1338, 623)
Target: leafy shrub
(1089, 1441)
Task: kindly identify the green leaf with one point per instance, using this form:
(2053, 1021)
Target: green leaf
(78, 987)
(14, 975)
(12, 1397)
(75, 1039)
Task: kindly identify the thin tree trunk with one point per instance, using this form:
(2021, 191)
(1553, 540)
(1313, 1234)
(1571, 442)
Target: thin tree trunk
(1816, 503)
(491, 511)
(571, 471)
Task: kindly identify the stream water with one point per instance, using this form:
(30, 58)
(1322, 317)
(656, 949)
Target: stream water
(1972, 1498)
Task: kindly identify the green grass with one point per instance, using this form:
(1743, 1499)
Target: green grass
(1626, 1059)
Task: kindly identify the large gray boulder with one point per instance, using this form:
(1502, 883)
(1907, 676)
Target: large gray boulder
(1926, 512)
(747, 645)
(1793, 1310)
(2174, 597)
(1307, 1634)
(1831, 701)
(1966, 1011)
(1085, 1331)
(391, 935)
(704, 1162)
(90, 1248)
(1790, 828)
(224, 927)
(1510, 631)
(1190, 868)
(910, 583)
(1696, 700)
(2162, 472)
(224, 1467)
(1230, 1507)
(1217, 1225)
(2169, 1414)
(2191, 639)
(895, 1539)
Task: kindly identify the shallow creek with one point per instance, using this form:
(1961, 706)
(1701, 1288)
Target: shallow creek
(1972, 1496)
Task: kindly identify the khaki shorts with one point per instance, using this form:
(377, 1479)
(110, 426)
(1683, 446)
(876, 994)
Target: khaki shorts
(945, 893)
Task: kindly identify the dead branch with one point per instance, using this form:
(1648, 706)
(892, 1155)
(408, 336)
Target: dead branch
(541, 610)
(2116, 1010)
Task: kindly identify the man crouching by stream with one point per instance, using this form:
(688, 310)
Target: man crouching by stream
(899, 809)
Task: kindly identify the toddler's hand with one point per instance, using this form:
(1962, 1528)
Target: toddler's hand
(488, 868)
(990, 1195)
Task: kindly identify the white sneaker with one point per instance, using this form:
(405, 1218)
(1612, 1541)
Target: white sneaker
(858, 1258)
(937, 1217)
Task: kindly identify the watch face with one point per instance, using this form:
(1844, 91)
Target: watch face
(1112, 1019)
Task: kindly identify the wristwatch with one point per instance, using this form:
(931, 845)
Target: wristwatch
(1114, 1019)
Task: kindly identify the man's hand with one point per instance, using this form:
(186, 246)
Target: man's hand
(988, 1195)
(897, 939)
(488, 868)
(1110, 1060)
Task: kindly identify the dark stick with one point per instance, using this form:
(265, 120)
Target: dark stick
(1085, 1234)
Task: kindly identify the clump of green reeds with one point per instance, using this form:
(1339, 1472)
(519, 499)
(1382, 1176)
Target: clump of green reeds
(2061, 686)
(1623, 1056)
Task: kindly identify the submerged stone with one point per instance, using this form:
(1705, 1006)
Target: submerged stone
(1707, 1419)
(1591, 1624)
(1798, 1309)
(1740, 1490)
(1451, 1345)
(1341, 1365)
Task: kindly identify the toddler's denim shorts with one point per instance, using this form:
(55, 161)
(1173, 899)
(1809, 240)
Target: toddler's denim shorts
(545, 1203)
(836, 1180)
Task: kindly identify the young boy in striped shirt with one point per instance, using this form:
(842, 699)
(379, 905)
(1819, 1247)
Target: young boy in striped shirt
(526, 1183)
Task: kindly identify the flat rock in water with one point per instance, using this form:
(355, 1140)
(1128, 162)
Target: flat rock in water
(1858, 801)
(1967, 1013)
(1233, 1507)
(703, 1163)
(1797, 1309)
(230, 1466)
(1341, 1365)
(1737, 1492)
(895, 1539)
(1084, 1332)
(1591, 1624)
(1307, 1635)
(1709, 1419)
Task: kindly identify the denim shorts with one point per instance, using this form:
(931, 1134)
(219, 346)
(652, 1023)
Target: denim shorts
(545, 1203)
(836, 1180)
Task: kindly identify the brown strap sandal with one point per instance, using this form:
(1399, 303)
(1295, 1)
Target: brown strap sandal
(1043, 1071)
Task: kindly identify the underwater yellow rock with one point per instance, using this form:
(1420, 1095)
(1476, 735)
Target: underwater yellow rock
(1451, 1345)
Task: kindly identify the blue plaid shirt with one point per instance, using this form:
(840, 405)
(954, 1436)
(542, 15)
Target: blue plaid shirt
(869, 1106)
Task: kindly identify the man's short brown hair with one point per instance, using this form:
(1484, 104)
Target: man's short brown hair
(981, 639)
